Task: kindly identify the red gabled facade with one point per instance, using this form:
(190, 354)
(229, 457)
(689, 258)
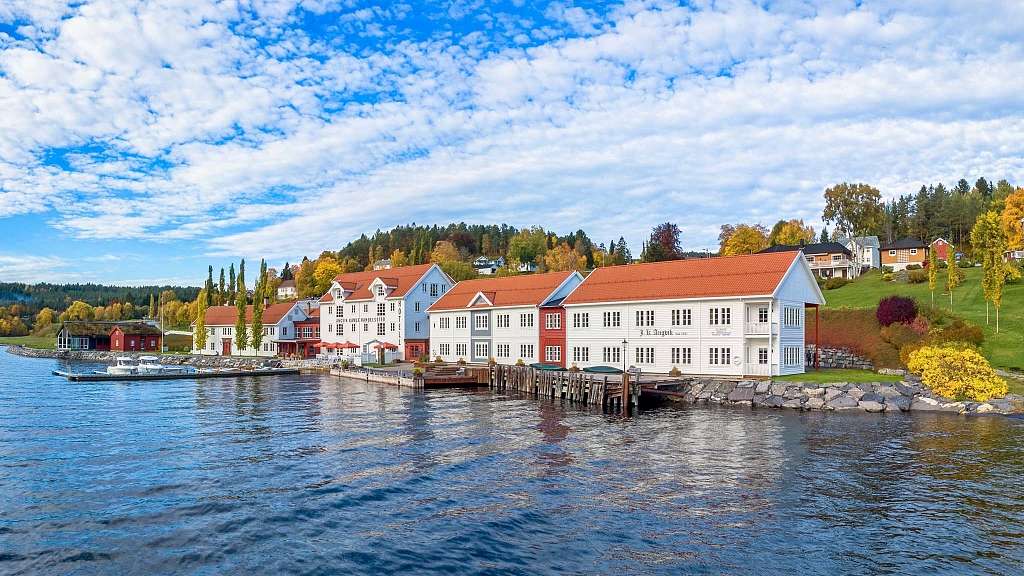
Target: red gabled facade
(553, 336)
(122, 341)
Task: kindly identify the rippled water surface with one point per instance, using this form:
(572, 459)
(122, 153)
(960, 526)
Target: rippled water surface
(310, 474)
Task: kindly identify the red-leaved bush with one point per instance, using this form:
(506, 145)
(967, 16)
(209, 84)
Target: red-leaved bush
(892, 309)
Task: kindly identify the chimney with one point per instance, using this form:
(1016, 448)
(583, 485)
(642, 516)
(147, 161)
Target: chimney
(266, 301)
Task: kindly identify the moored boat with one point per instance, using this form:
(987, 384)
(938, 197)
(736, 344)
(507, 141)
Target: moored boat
(123, 365)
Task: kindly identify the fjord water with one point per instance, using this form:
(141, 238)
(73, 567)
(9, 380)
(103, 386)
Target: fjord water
(315, 475)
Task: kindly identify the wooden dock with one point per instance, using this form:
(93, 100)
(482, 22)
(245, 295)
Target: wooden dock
(611, 392)
(96, 377)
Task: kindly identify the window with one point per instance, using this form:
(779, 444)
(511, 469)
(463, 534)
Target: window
(380, 290)
(526, 350)
(612, 319)
(460, 322)
(329, 310)
(424, 287)
(792, 316)
(553, 321)
(417, 327)
(892, 252)
(682, 356)
(719, 356)
(339, 312)
(392, 306)
(416, 307)
(444, 323)
(552, 353)
(762, 355)
(611, 354)
(481, 350)
(366, 327)
(792, 356)
(366, 308)
(392, 327)
(503, 320)
(380, 309)
(504, 350)
(460, 349)
(581, 320)
(913, 251)
(353, 327)
(481, 321)
(526, 321)
(380, 329)
(444, 349)
(762, 314)
(682, 317)
(353, 308)
(675, 355)
(284, 330)
(719, 316)
(340, 329)
(837, 257)
(645, 317)
(645, 355)
(580, 354)
(433, 290)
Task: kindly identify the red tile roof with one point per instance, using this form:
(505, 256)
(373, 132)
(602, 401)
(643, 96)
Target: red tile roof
(402, 279)
(526, 290)
(226, 315)
(749, 275)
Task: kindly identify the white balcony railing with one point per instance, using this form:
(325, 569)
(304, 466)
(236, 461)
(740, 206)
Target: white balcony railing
(843, 263)
(754, 369)
(757, 327)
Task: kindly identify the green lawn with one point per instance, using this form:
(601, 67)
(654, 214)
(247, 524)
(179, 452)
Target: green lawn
(838, 375)
(44, 342)
(1004, 350)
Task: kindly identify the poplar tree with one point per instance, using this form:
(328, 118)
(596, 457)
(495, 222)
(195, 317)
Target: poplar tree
(231, 284)
(257, 307)
(209, 286)
(933, 273)
(152, 306)
(241, 337)
(221, 294)
(199, 332)
(954, 277)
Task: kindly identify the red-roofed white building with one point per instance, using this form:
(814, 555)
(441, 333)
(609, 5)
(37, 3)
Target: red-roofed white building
(509, 319)
(731, 316)
(279, 334)
(382, 312)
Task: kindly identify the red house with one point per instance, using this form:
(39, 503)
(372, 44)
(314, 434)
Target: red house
(943, 249)
(307, 337)
(135, 337)
(552, 333)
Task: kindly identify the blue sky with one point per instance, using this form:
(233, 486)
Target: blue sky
(140, 141)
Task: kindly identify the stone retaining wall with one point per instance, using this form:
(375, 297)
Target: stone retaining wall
(198, 361)
(839, 358)
(904, 396)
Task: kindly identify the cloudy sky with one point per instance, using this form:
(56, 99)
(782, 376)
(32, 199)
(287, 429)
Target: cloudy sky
(141, 141)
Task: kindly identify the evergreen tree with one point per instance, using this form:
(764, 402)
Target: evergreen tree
(623, 255)
(232, 288)
(286, 274)
(824, 235)
(209, 286)
(221, 291)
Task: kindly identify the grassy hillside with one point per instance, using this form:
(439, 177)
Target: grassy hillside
(1005, 350)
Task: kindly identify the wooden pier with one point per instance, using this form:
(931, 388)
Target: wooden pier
(97, 377)
(611, 392)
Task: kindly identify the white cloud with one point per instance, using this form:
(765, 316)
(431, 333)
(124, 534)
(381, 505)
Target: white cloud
(213, 121)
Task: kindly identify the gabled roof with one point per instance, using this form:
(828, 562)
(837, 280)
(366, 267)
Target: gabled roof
(863, 241)
(904, 243)
(226, 315)
(286, 284)
(401, 280)
(748, 275)
(96, 328)
(529, 290)
(947, 242)
(816, 248)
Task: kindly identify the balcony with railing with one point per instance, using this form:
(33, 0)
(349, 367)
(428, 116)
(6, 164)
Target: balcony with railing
(841, 263)
(755, 369)
(760, 329)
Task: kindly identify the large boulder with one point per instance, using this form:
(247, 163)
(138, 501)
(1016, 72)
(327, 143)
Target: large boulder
(814, 403)
(813, 392)
(763, 387)
(872, 397)
(842, 402)
(774, 401)
(871, 406)
(793, 403)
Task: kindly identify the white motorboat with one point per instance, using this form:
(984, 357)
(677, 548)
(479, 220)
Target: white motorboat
(152, 365)
(123, 365)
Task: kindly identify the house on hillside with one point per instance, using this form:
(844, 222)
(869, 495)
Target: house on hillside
(286, 290)
(122, 335)
(902, 253)
(732, 316)
(484, 266)
(865, 251)
(943, 249)
(826, 259)
(380, 315)
(509, 319)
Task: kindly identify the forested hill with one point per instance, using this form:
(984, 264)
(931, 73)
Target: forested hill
(59, 296)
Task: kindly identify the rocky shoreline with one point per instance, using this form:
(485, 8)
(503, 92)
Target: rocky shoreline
(199, 361)
(876, 397)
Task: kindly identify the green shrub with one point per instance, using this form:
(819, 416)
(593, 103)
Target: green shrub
(833, 283)
(943, 265)
(887, 276)
(958, 331)
(965, 263)
(899, 335)
(887, 270)
(913, 266)
(917, 276)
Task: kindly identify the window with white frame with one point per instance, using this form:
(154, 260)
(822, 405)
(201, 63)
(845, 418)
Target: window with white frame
(444, 349)
(645, 317)
(393, 306)
(792, 316)
(526, 320)
(433, 290)
(353, 327)
(645, 355)
(553, 321)
(444, 322)
(526, 350)
(460, 349)
(339, 312)
(339, 329)
(366, 327)
(611, 354)
(580, 354)
(392, 327)
(762, 314)
(381, 329)
(504, 350)
(460, 322)
(552, 353)
(719, 356)
(353, 308)
(380, 290)
(380, 309)
(581, 320)
(416, 306)
(837, 257)
(366, 308)
(504, 320)
(416, 327)
(682, 317)
(481, 350)
(481, 321)
(762, 355)
(612, 319)
(720, 316)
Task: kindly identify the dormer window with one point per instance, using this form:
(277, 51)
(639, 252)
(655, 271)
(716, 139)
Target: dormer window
(380, 290)
(337, 292)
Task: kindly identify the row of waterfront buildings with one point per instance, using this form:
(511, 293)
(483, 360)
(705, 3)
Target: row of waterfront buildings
(735, 316)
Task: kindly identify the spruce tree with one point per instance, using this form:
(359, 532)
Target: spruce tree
(209, 286)
(232, 288)
(221, 294)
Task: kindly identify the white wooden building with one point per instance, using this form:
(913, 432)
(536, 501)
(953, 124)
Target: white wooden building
(278, 329)
(380, 314)
(502, 318)
(732, 316)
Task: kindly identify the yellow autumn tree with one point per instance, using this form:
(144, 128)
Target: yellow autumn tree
(324, 273)
(562, 258)
(1012, 220)
(399, 259)
(444, 251)
(745, 239)
(794, 232)
(957, 371)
